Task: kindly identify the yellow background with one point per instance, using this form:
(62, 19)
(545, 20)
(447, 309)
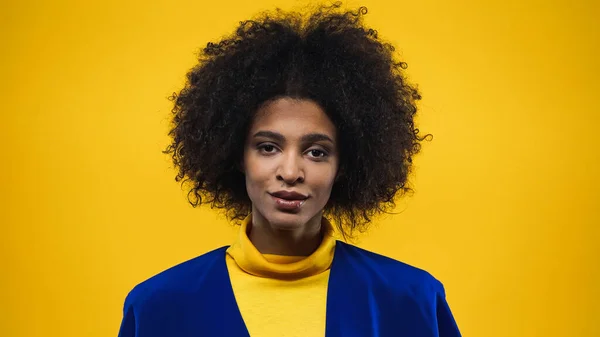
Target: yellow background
(506, 210)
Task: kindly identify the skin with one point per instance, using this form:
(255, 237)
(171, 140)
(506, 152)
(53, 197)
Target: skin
(289, 163)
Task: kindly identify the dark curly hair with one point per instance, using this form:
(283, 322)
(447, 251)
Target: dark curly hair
(327, 56)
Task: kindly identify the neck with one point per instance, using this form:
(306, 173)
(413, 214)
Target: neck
(269, 239)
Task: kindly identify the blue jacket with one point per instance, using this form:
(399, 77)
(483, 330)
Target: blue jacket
(368, 295)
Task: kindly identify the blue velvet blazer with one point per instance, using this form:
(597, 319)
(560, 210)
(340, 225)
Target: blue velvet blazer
(368, 295)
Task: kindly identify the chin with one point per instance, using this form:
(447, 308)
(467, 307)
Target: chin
(286, 221)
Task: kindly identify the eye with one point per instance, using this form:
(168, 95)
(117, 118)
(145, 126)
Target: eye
(267, 148)
(317, 153)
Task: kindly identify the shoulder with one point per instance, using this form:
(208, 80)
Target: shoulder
(406, 297)
(390, 272)
(175, 281)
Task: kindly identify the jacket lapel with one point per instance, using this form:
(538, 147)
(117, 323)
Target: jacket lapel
(353, 307)
(350, 309)
(222, 316)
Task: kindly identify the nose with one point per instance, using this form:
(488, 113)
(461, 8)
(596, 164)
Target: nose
(290, 169)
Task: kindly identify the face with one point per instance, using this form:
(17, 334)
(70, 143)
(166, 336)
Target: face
(291, 147)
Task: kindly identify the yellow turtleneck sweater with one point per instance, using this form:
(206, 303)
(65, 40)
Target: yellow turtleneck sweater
(281, 295)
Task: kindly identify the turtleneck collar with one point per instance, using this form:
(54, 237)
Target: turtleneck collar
(249, 259)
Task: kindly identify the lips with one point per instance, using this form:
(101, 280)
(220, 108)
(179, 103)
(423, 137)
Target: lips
(289, 201)
(289, 195)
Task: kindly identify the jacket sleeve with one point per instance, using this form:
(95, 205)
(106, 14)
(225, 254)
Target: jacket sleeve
(447, 326)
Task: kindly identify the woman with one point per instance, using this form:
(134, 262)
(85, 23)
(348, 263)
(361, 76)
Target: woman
(293, 125)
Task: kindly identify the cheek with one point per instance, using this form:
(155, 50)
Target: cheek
(256, 174)
(326, 180)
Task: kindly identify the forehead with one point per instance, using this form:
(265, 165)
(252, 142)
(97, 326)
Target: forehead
(293, 117)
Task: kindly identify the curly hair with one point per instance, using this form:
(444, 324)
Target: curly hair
(327, 56)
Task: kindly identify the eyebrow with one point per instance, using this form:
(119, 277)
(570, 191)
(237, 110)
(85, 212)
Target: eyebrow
(310, 138)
